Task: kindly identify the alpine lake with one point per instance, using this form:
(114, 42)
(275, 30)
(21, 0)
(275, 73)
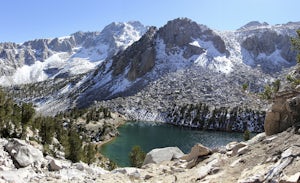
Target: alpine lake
(151, 135)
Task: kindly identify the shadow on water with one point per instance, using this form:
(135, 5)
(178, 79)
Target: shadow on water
(157, 135)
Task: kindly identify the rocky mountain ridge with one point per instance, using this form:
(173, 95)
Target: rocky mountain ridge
(43, 59)
(180, 63)
(199, 47)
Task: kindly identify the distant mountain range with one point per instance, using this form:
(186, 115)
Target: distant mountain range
(81, 52)
(181, 62)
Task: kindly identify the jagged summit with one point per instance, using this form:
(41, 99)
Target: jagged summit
(183, 33)
(254, 24)
(43, 59)
(122, 33)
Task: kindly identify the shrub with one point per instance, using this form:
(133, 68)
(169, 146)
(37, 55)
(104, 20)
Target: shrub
(137, 156)
(246, 135)
(245, 86)
(112, 165)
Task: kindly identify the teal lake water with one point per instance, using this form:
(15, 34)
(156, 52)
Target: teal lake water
(151, 135)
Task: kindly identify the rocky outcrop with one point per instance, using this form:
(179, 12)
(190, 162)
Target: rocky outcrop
(179, 33)
(203, 116)
(233, 148)
(55, 165)
(267, 43)
(6, 162)
(266, 46)
(30, 165)
(22, 153)
(138, 58)
(197, 150)
(283, 113)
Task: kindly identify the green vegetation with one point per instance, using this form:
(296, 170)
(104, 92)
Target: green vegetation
(137, 156)
(276, 85)
(14, 118)
(245, 86)
(296, 45)
(112, 165)
(292, 80)
(75, 153)
(17, 119)
(271, 90)
(89, 153)
(267, 94)
(246, 135)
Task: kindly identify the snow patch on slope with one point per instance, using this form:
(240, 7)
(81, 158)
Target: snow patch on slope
(172, 62)
(94, 54)
(129, 35)
(275, 57)
(60, 62)
(212, 58)
(26, 74)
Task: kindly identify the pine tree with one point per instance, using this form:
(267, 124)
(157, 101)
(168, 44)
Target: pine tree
(47, 129)
(246, 135)
(90, 151)
(75, 146)
(27, 113)
(137, 156)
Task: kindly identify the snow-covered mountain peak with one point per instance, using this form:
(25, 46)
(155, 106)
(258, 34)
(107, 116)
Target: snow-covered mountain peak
(257, 28)
(254, 25)
(42, 59)
(122, 34)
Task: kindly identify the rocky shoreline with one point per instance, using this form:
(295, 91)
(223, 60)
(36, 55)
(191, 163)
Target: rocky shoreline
(261, 159)
(199, 116)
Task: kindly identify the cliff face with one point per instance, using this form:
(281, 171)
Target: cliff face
(284, 112)
(223, 119)
(139, 58)
(178, 35)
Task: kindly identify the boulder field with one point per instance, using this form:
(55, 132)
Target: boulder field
(263, 158)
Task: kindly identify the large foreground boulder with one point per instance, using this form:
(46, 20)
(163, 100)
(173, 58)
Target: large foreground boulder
(197, 150)
(283, 113)
(163, 154)
(233, 147)
(22, 153)
(55, 165)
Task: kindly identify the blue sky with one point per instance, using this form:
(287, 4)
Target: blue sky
(23, 20)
